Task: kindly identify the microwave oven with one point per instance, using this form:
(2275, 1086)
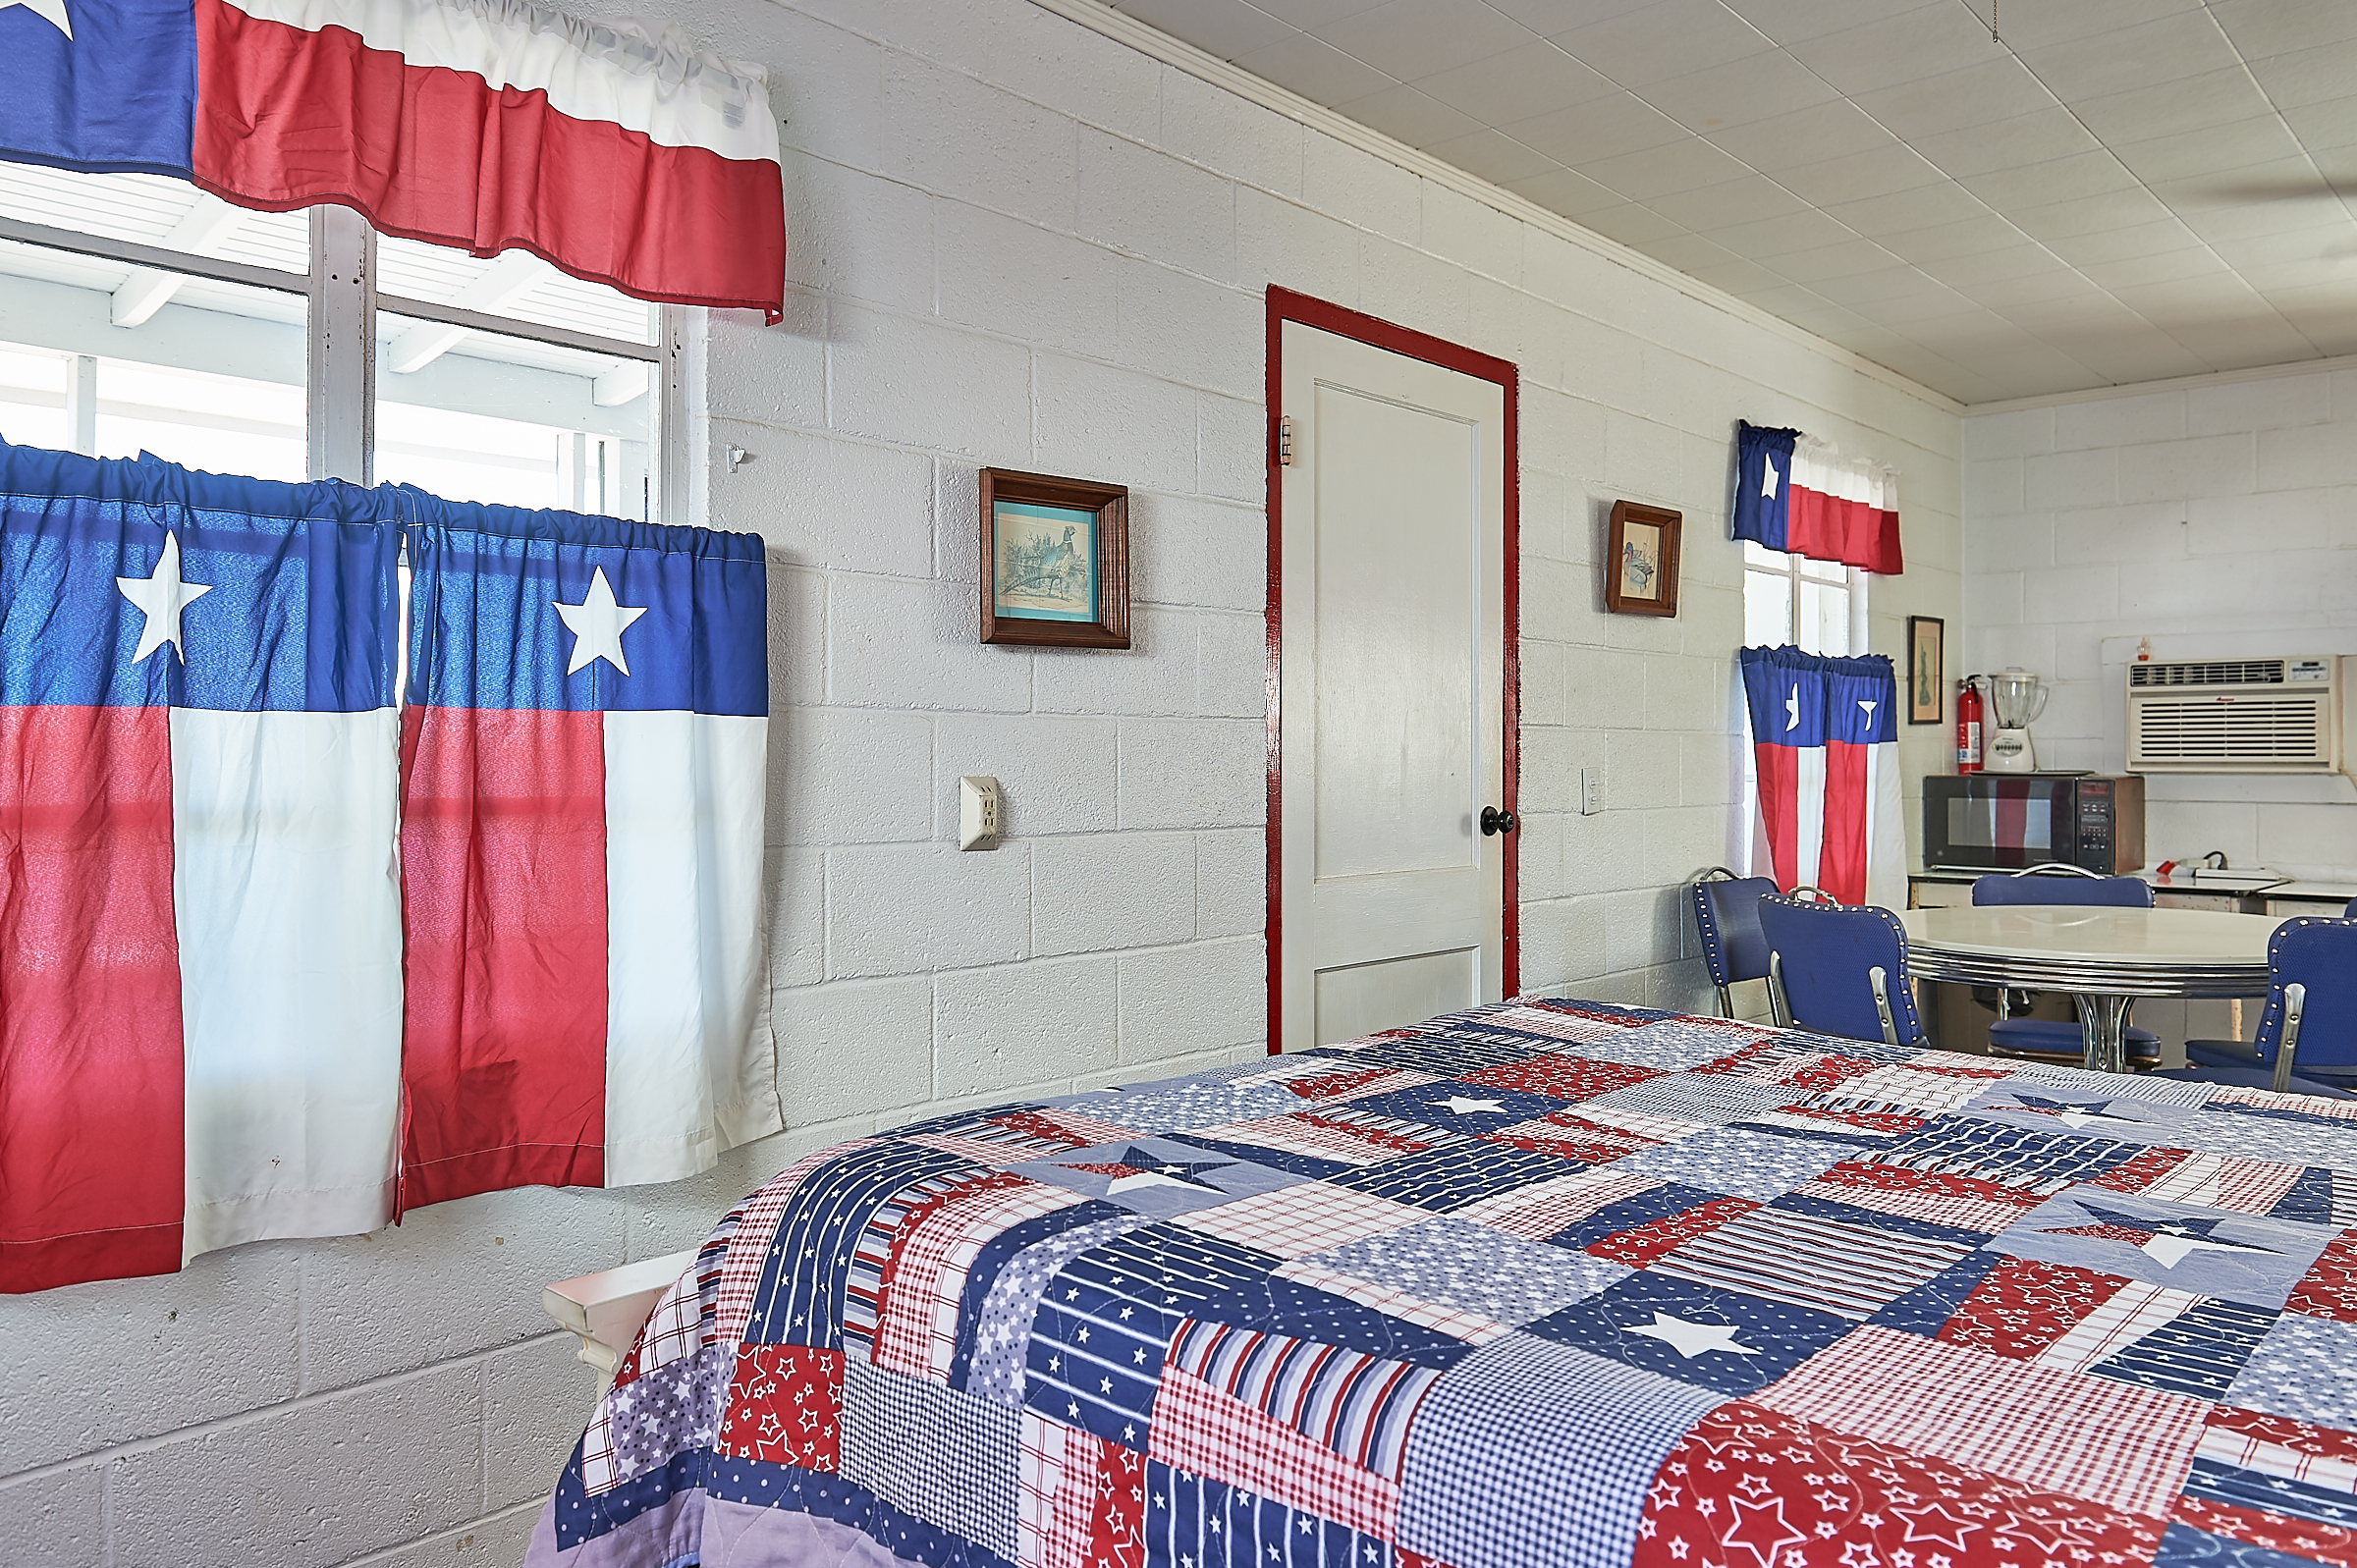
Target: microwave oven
(2010, 822)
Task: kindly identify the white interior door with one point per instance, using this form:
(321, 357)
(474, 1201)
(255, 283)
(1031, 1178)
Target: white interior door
(1391, 702)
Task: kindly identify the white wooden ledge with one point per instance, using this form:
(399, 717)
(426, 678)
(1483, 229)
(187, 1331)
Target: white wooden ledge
(606, 1309)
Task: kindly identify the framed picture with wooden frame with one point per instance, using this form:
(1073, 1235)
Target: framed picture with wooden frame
(1927, 669)
(1055, 560)
(1640, 560)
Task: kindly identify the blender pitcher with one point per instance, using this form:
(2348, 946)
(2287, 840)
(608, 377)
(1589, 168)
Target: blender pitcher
(2016, 697)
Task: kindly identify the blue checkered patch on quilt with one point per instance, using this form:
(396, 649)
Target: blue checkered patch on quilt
(1500, 1415)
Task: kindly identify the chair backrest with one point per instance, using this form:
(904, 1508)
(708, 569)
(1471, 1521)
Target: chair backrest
(1726, 911)
(1823, 951)
(2051, 887)
(2321, 956)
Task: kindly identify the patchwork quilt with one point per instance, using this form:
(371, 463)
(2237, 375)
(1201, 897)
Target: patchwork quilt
(1548, 1283)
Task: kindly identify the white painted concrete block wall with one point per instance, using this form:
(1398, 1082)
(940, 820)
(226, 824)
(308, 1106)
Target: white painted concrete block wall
(2215, 520)
(1012, 242)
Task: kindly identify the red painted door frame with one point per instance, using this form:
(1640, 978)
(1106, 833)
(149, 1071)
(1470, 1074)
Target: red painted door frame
(1285, 305)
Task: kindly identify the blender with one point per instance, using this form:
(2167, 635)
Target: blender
(2016, 697)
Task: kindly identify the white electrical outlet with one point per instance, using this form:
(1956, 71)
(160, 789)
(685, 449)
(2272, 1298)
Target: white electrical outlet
(977, 813)
(1591, 791)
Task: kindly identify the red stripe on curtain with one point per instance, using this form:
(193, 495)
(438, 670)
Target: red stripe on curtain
(503, 863)
(1779, 769)
(90, 1079)
(1842, 857)
(286, 118)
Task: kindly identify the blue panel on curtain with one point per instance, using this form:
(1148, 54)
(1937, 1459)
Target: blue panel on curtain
(1762, 483)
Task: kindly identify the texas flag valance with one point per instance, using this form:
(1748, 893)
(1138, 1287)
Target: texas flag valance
(1797, 493)
(613, 153)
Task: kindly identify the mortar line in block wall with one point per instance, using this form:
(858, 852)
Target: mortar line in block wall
(480, 1521)
(134, 1447)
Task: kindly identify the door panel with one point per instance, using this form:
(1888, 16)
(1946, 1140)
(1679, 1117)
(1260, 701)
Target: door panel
(1361, 998)
(1392, 689)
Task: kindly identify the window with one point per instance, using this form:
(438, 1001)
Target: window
(1816, 606)
(140, 313)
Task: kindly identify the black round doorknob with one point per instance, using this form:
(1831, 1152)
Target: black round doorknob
(1494, 821)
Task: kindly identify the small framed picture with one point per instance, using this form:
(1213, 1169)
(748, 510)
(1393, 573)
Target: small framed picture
(1927, 671)
(1055, 560)
(1640, 560)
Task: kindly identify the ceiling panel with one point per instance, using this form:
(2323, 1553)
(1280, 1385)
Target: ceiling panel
(2106, 190)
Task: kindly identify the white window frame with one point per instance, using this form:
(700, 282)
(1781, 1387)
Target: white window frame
(340, 337)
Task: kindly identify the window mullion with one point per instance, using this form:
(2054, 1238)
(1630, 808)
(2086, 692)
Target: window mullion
(340, 381)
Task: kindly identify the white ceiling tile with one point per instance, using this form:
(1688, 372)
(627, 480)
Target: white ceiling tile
(1774, 236)
(2258, 218)
(1982, 94)
(2038, 27)
(1664, 39)
(1535, 79)
(1603, 128)
(1545, 17)
(2057, 281)
(1860, 176)
(2142, 355)
(1742, 92)
(2217, 98)
(2271, 277)
(1840, 260)
(2036, 137)
(1222, 27)
(1408, 114)
(2116, 210)
(2163, 237)
(1562, 191)
(1946, 242)
(1861, 289)
(1315, 69)
(1805, 136)
(1747, 199)
(1406, 39)
(2333, 124)
(2090, 174)
(1687, 251)
(2287, 179)
(1314, 13)
(2169, 265)
(2213, 150)
(1926, 41)
(2264, 27)
(1790, 20)
(1686, 165)
(1495, 156)
(1788, 300)
(2246, 344)
(1929, 302)
(2315, 74)
(2332, 242)
(1734, 276)
(2169, 49)
(1629, 223)
(1907, 211)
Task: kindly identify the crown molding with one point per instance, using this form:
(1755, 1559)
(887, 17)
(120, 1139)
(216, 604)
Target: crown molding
(1100, 18)
(2139, 389)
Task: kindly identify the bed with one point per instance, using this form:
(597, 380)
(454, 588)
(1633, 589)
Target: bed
(1545, 1282)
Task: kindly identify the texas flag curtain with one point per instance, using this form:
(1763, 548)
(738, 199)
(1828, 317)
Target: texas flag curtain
(267, 933)
(1797, 493)
(199, 916)
(585, 952)
(613, 152)
(1825, 738)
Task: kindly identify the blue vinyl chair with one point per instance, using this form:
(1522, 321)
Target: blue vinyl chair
(1726, 911)
(2057, 883)
(2307, 1040)
(1839, 969)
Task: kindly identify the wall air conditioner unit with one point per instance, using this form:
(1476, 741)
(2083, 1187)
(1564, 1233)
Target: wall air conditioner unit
(2235, 715)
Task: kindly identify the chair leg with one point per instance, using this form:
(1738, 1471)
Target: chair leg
(2295, 999)
(1726, 1004)
(1779, 1009)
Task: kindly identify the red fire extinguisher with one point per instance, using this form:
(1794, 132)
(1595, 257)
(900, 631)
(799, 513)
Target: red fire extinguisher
(1969, 726)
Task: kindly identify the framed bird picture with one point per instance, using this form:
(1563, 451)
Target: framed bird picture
(1640, 560)
(1054, 558)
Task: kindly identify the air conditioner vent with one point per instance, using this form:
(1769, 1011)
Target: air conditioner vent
(2214, 672)
(2235, 716)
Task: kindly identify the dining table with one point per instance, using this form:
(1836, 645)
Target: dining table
(2104, 959)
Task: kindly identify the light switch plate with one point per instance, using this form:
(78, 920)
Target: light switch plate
(977, 812)
(1591, 791)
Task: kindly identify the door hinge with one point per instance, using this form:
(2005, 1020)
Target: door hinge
(1285, 441)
